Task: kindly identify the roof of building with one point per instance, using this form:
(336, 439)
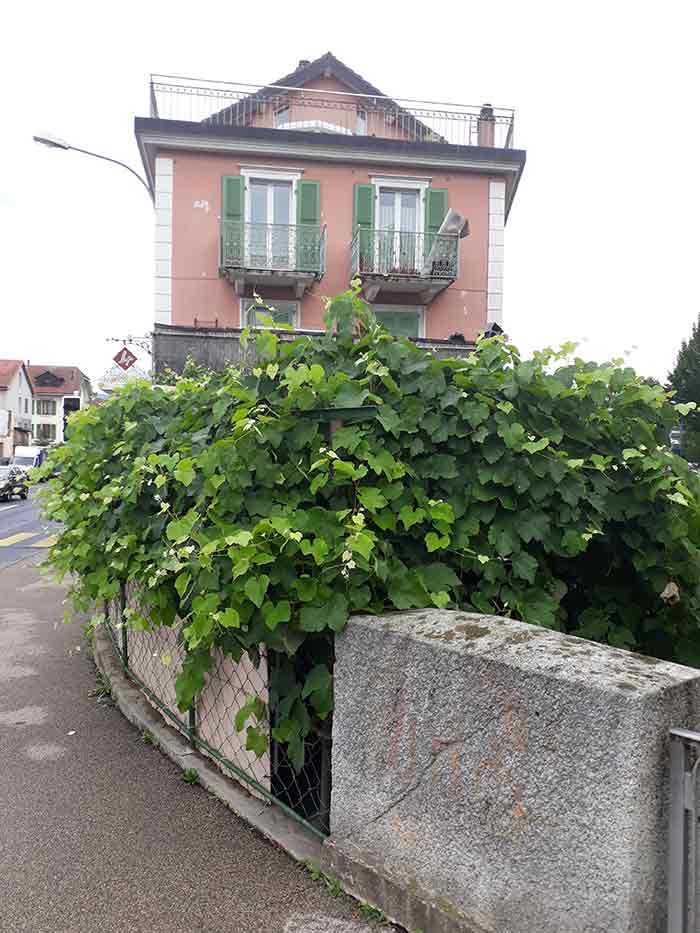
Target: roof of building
(327, 66)
(8, 370)
(56, 380)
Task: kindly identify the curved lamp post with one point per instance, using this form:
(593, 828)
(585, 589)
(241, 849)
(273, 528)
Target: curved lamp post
(54, 143)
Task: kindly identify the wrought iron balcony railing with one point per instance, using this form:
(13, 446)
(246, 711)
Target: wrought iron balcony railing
(273, 247)
(430, 256)
(225, 103)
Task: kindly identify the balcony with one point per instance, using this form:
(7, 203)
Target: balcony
(393, 261)
(276, 255)
(231, 104)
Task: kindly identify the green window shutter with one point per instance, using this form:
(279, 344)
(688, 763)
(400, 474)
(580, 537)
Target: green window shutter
(308, 202)
(363, 217)
(435, 208)
(363, 207)
(308, 238)
(232, 197)
(231, 221)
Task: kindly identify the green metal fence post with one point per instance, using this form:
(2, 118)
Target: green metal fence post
(192, 723)
(325, 783)
(122, 606)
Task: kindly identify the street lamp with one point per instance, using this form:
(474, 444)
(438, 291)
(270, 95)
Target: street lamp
(53, 142)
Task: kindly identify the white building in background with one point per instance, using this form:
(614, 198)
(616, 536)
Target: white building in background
(115, 377)
(15, 406)
(58, 391)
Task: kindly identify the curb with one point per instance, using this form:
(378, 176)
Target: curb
(276, 826)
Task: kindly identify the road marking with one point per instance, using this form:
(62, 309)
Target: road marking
(15, 539)
(46, 542)
(6, 507)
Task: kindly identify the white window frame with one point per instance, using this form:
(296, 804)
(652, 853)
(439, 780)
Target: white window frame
(361, 122)
(410, 309)
(42, 403)
(251, 173)
(402, 183)
(45, 428)
(420, 185)
(245, 306)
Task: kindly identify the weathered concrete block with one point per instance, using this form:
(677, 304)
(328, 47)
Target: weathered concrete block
(494, 776)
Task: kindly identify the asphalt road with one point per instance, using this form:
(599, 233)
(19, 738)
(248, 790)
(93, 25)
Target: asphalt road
(22, 530)
(98, 832)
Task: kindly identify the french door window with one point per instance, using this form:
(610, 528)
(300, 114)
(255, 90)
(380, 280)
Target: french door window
(398, 239)
(270, 241)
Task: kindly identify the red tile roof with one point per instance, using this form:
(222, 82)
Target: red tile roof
(8, 368)
(68, 379)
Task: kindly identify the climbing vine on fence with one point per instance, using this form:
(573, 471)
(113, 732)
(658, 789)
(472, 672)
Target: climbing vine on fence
(249, 515)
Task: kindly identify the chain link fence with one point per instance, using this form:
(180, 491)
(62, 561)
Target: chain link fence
(153, 658)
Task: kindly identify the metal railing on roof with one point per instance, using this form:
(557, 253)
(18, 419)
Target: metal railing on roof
(227, 103)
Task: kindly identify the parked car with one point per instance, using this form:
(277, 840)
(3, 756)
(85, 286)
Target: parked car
(27, 457)
(13, 482)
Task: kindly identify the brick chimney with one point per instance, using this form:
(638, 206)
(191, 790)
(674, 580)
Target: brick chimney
(486, 126)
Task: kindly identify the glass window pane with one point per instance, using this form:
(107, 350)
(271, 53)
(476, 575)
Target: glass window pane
(409, 210)
(386, 210)
(281, 202)
(258, 202)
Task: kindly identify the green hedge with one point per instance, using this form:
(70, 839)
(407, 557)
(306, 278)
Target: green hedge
(539, 489)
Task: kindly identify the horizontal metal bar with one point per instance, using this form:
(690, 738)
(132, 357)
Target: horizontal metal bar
(307, 228)
(685, 735)
(283, 107)
(377, 231)
(252, 88)
(362, 412)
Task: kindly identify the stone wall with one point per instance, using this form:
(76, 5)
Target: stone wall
(216, 348)
(494, 776)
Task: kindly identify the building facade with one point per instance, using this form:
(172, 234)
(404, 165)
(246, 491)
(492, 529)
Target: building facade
(58, 391)
(15, 406)
(291, 190)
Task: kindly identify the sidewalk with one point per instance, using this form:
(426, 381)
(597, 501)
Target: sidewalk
(99, 832)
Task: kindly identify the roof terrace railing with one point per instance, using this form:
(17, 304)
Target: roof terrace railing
(225, 103)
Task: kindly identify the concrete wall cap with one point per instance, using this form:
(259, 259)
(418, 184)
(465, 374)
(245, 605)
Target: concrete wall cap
(501, 641)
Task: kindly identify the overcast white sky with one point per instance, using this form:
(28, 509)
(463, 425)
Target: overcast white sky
(602, 242)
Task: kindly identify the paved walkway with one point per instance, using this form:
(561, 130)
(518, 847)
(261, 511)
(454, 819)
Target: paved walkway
(98, 833)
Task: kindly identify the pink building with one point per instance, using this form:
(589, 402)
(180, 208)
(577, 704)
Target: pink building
(291, 190)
